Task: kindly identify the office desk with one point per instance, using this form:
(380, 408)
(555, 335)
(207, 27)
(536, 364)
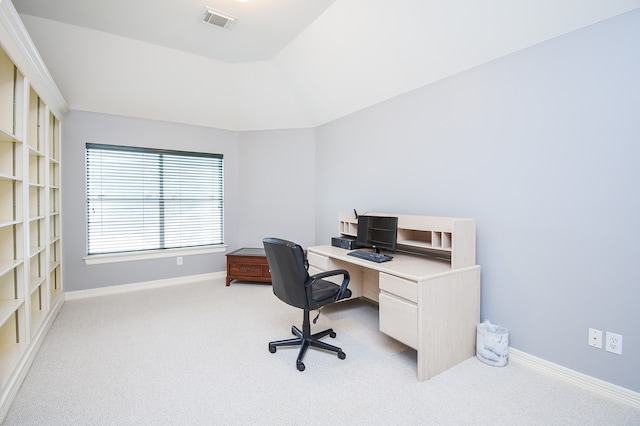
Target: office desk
(422, 301)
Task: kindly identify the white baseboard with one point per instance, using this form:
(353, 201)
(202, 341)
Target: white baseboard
(598, 386)
(125, 288)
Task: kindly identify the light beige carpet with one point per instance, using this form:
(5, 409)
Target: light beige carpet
(197, 354)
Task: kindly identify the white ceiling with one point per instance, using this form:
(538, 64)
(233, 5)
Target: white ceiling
(285, 63)
(263, 27)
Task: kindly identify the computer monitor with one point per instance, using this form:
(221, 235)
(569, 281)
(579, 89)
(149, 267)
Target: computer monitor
(377, 232)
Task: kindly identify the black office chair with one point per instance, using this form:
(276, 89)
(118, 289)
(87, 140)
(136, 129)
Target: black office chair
(293, 285)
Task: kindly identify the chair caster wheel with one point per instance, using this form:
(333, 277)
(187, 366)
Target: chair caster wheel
(332, 334)
(300, 366)
(342, 355)
(272, 349)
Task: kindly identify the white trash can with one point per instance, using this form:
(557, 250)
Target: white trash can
(492, 344)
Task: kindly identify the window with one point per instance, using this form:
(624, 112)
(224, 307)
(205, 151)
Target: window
(150, 199)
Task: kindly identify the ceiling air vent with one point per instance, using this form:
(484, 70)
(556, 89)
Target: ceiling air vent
(217, 18)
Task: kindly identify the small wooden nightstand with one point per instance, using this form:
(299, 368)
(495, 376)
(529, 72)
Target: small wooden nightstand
(248, 264)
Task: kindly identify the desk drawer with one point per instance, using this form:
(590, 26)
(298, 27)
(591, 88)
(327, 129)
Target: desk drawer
(399, 319)
(399, 286)
(319, 261)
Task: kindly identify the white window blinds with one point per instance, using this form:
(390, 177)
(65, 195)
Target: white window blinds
(150, 199)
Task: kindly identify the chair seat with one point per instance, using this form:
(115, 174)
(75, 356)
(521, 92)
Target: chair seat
(326, 291)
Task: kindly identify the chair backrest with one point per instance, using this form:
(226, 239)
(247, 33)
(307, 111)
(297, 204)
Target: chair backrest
(288, 271)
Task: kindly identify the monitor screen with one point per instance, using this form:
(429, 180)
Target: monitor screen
(378, 232)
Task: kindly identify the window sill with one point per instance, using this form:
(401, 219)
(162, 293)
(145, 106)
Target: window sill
(97, 259)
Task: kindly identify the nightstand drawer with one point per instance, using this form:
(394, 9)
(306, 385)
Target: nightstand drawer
(266, 272)
(246, 260)
(245, 269)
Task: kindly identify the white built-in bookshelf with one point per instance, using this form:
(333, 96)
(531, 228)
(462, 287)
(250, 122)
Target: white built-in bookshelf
(31, 291)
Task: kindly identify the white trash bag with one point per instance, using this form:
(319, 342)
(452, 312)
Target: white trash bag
(492, 344)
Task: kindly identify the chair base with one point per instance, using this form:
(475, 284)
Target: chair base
(305, 339)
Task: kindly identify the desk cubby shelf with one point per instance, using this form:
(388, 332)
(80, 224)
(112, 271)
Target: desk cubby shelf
(30, 181)
(446, 237)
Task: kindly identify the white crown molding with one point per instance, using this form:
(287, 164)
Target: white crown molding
(17, 43)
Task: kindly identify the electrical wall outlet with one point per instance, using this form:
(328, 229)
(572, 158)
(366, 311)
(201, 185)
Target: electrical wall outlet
(614, 343)
(179, 260)
(595, 338)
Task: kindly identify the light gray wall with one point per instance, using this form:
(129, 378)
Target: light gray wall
(270, 192)
(277, 171)
(82, 127)
(542, 147)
